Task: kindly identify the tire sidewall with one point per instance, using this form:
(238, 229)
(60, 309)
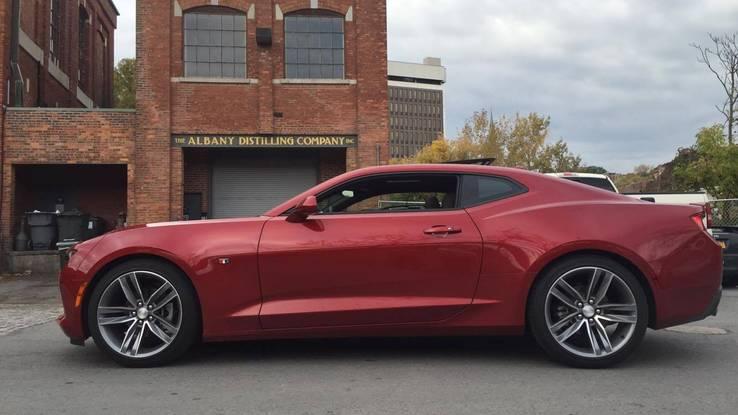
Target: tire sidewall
(537, 310)
(189, 330)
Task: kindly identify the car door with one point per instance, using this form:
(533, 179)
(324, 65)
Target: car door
(396, 255)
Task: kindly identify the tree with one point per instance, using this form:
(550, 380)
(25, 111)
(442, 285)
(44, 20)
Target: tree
(711, 165)
(721, 58)
(514, 142)
(593, 170)
(124, 84)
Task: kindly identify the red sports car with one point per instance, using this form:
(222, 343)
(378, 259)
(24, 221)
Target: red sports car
(403, 251)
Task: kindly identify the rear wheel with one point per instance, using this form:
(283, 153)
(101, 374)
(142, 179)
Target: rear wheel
(143, 313)
(588, 311)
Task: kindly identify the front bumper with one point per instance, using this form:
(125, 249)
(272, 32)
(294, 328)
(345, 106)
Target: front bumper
(72, 292)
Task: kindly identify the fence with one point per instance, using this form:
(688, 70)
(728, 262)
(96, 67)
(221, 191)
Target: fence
(724, 213)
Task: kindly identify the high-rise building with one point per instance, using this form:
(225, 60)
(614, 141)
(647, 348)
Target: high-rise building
(416, 105)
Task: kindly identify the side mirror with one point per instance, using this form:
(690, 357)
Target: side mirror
(302, 211)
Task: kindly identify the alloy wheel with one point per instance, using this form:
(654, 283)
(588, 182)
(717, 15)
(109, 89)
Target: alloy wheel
(591, 312)
(139, 314)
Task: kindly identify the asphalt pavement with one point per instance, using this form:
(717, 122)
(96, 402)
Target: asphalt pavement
(691, 370)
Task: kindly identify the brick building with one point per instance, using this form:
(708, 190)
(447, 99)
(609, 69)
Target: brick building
(240, 104)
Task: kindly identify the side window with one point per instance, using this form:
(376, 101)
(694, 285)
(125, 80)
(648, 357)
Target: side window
(481, 189)
(392, 193)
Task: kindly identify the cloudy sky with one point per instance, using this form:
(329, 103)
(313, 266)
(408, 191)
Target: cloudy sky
(617, 77)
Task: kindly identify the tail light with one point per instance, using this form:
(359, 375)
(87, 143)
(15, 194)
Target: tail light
(697, 219)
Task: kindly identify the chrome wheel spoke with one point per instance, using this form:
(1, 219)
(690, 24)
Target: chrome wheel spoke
(566, 294)
(109, 321)
(159, 291)
(593, 340)
(167, 325)
(604, 286)
(603, 336)
(139, 339)
(570, 331)
(128, 338)
(627, 308)
(158, 332)
(558, 326)
(613, 318)
(171, 296)
(128, 291)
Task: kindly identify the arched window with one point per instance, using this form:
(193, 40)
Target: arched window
(314, 45)
(215, 43)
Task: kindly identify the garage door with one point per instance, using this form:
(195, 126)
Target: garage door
(251, 185)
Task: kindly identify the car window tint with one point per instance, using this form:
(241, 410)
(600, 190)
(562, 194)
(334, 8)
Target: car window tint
(392, 193)
(480, 189)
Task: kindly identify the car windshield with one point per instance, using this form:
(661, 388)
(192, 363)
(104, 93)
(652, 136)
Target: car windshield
(595, 182)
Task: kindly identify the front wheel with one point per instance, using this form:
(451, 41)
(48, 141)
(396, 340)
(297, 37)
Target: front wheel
(588, 311)
(143, 313)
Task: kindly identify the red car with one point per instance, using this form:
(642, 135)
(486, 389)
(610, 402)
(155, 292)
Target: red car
(403, 251)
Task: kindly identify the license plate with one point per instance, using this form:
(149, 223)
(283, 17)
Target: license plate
(723, 244)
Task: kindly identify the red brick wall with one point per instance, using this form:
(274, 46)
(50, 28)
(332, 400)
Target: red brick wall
(48, 136)
(35, 21)
(153, 187)
(4, 76)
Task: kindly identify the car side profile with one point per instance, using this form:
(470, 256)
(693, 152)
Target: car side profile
(414, 250)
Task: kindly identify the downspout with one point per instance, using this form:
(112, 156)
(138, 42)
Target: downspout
(17, 77)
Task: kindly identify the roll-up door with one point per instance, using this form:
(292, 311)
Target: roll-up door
(249, 185)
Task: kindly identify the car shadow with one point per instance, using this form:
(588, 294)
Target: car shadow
(657, 350)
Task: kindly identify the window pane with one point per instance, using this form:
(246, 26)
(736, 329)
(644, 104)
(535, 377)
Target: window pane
(227, 38)
(292, 72)
(314, 72)
(190, 69)
(326, 40)
(215, 70)
(228, 70)
(290, 40)
(240, 71)
(290, 24)
(215, 55)
(338, 56)
(239, 22)
(203, 69)
(203, 54)
(239, 39)
(303, 56)
(190, 21)
(216, 38)
(203, 37)
(315, 56)
(338, 40)
(338, 71)
(326, 71)
(304, 71)
(227, 22)
(227, 55)
(291, 56)
(239, 55)
(190, 54)
(190, 37)
(327, 57)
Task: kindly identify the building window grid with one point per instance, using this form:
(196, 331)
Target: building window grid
(314, 46)
(56, 22)
(215, 44)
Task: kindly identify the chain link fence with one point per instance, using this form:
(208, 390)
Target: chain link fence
(724, 213)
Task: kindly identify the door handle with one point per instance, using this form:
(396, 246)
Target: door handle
(442, 230)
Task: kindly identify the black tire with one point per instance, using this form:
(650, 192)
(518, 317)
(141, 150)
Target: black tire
(189, 330)
(537, 312)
